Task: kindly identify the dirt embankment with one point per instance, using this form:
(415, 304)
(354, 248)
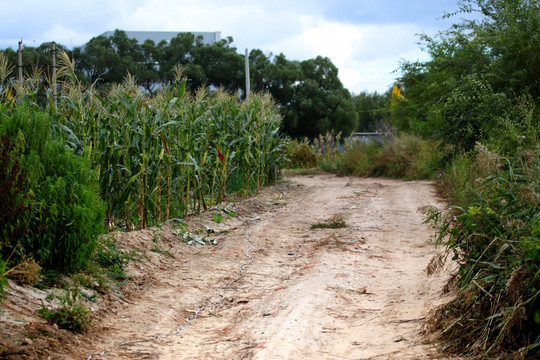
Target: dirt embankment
(272, 287)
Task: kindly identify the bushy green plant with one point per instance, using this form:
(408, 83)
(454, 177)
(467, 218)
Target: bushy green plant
(358, 158)
(406, 156)
(111, 259)
(12, 197)
(71, 315)
(217, 217)
(327, 150)
(300, 154)
(494, 239)
(468, 113)
(519, 127)
(65, 213)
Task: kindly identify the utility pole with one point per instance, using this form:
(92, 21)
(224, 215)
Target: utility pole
(54, 72)
(19, 58)
(247, 75)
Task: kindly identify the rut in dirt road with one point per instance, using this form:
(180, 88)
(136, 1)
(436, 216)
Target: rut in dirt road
(357, 292)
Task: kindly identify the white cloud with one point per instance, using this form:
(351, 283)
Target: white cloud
(365, 54)
(65, 36)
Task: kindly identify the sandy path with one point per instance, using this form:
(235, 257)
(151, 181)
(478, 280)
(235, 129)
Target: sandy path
(358, 292)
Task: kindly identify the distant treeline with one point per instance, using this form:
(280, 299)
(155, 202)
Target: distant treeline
(312, 99)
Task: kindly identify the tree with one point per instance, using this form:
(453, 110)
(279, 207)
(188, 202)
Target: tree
(178, 51)
(283, 76)
(310, 95)
(147, 69)
(259, 68)
(319, 103)
(223, 66)
(372, 109)
(99, 61)
(476, 69)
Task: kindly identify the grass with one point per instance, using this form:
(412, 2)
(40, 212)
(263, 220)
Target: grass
(335, 222)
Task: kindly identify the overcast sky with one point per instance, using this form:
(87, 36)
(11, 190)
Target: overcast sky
(365, 39)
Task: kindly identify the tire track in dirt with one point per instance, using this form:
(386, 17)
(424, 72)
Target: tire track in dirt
(358, 292)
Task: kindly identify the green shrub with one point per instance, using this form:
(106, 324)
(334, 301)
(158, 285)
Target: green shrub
(358, 158)
(300, 155)
(12, 196)
(71, 315)
(65, 213)
(111, 259)
(329, 156)
(407, 157)
(494, 237)
(467, 113)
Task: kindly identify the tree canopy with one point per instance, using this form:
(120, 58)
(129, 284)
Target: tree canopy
(478, 69)
(311, 97)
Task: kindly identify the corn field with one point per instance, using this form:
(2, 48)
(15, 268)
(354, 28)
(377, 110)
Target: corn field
(165, 155)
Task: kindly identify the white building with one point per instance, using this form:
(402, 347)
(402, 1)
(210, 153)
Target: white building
(158, 36)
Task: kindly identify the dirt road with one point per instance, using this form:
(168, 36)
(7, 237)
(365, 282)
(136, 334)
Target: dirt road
(273, 288)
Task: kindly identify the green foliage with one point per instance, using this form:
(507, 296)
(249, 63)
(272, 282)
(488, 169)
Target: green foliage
(469, 113)
(300, 154)
(3, 280)
(531, 251)
(372, 109)
(111, 259)
(64, 214)
(217, 218)
(310, 94)
(71, 315)
(477, 70)
(519, 127)
(12, 197)
(159, 155)
(360, 158)
(493, 236)
(335, 222)
(327, 150)
(320, 103)
(479, 94)
(408, 157)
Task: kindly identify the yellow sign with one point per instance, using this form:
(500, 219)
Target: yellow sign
(396, 94)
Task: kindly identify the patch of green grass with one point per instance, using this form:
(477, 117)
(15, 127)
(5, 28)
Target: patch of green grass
(335, 222)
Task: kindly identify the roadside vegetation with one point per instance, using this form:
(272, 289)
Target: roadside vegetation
(468, 118)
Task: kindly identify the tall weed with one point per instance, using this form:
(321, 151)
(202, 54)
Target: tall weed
(407, 156)
(494, 236)
(300, 154)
